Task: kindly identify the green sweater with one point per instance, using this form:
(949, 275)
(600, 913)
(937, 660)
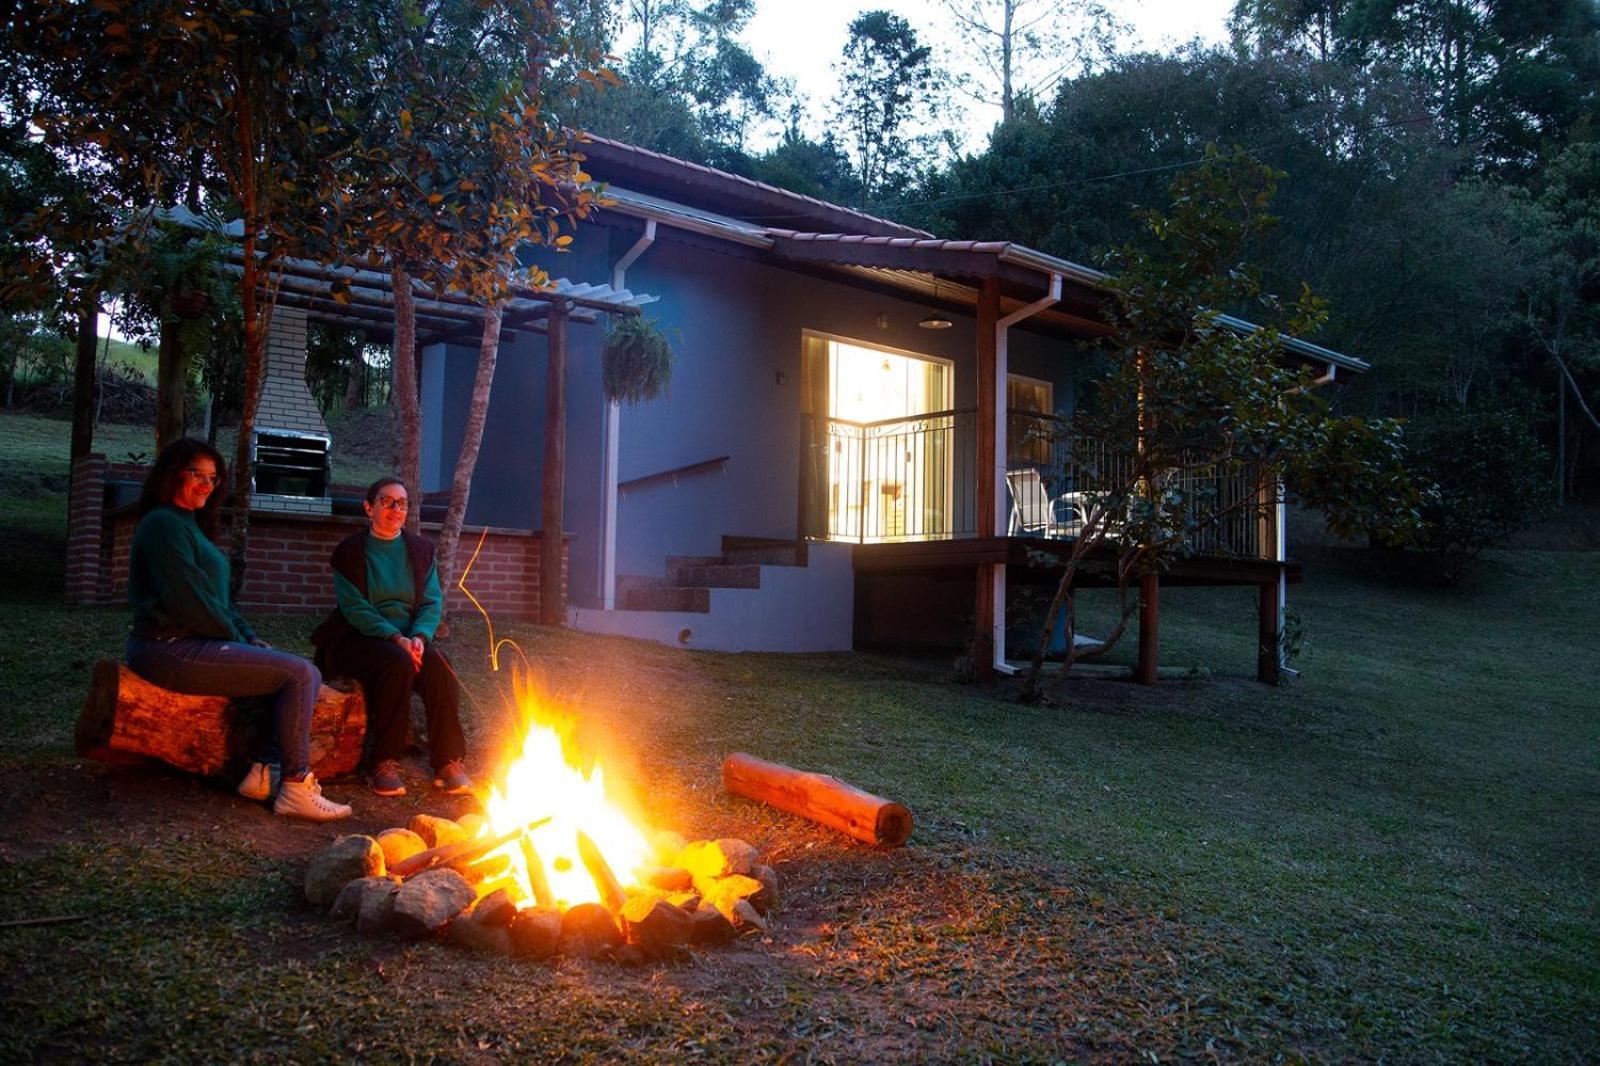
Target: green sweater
(391, 605)
(178, 581)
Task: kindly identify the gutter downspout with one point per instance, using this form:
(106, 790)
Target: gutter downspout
(997, 521)
(1280, 549)
(610, 444)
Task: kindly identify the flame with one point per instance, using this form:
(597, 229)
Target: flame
(543, 782)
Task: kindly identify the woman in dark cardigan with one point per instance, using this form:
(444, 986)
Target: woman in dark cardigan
(187, 635)
(381, 634)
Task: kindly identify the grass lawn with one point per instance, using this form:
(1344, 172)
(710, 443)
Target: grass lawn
(1394, 857)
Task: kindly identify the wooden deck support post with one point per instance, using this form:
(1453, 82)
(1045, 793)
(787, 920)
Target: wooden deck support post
(552, 598)
(1267, 665)
(83, 378)
(1149, 629)
(988, 611)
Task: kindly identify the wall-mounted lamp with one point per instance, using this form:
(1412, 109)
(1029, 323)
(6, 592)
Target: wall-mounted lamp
(933, 319)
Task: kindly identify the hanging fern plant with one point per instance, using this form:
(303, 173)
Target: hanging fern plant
(636, 362)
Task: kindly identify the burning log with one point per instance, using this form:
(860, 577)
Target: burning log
(126, 719)
(611, 893)
(538, 883)
(460, 853)
(820, 798)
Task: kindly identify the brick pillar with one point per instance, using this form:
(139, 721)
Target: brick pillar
(85, 511)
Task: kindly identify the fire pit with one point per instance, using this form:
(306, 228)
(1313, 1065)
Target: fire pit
(553, 866)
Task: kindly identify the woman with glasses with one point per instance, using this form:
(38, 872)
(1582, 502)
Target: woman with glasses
(381, 634)
(187, 635)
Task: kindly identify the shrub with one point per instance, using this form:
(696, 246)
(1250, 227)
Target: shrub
(1491, 480)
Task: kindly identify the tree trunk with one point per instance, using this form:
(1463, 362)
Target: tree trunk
(354, 384)
(126, 719)
(172, 374)
(471, 439)
(83, 379)
(552, 601)
(404, 396)
(819, 797)
(255, 350)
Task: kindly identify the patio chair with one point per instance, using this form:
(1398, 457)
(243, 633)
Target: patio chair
(1035, 514)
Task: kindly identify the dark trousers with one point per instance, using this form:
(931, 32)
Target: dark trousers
(387, 679)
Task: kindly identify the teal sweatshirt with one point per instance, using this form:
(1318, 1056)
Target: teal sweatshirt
(178, 581)
(391, 605)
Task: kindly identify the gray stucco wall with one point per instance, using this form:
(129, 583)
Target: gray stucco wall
(736, 391)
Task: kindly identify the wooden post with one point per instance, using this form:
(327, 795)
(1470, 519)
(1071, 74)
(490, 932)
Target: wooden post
(172, 370)
(1267, 651)
(986, 473)
(552, 599)
(83, 383)
(1149, 629)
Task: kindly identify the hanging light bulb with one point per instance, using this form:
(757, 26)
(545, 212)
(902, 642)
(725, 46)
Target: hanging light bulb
(933, 319)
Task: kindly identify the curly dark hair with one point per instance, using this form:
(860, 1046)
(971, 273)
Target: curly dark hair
(161, 485)
(381, 484)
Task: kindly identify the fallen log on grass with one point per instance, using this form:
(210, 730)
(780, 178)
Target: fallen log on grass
(818, 797)
(126, 720)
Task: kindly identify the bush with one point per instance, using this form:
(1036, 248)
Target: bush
(1491, 480)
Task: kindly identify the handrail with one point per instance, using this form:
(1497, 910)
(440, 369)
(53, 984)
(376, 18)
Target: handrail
(705, 466)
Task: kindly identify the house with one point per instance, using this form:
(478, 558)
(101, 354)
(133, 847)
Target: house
(848, 454)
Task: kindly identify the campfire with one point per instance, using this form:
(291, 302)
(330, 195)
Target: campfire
(553, 865)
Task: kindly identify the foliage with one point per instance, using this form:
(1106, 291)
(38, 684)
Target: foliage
(888, 92)
(1490, 481)
(160, 269)
(636, 361)
(1185, 404)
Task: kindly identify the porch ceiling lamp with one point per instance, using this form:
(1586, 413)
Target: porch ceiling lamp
(933, 319)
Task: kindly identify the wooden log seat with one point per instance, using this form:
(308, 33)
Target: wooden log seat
(819, 797)
(126, 720)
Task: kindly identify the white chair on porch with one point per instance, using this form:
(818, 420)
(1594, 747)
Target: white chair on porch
(1035, 514)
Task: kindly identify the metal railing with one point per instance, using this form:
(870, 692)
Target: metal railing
(915, 479)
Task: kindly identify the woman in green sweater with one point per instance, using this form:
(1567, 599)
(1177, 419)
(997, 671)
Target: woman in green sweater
(381, 634)
(187, 635)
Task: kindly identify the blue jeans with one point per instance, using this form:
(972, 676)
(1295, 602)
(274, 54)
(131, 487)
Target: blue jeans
(202, 667)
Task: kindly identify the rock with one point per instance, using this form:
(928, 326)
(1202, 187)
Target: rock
(669, 878)
(399, 845)
(436, 832)
(348, 906)
(473, 824)
(343, 861)
(744, 916)
(478, 936)
(534, 933)
(767, 899)
(497, 908)
(426, 903)
(377, 912)
(687, 900)
(629, 955)
(587, 930)
(718, 858)
(710, 926)
(724, 890)
(654, 925)
(667, 844)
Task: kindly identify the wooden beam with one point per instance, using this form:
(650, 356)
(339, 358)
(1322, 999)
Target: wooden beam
(1267, 649)
(83, 382)
(1149, 629)
(983, 649)
(552, 598)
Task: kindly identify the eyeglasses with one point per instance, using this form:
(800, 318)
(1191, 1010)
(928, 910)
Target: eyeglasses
(393, 503)
(206, 479)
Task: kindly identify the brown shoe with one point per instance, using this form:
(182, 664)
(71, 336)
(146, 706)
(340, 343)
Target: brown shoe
(385, 779)
(452, 779)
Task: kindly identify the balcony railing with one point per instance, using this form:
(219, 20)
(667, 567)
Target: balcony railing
(915, 479)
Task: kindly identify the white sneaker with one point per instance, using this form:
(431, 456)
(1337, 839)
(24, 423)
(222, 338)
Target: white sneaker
(260, 782)
(304, 799)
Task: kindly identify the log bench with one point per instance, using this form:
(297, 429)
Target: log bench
(127, 720)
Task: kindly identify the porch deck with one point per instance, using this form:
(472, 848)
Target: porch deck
(1036, 560)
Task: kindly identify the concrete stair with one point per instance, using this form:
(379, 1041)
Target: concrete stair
(689, 579)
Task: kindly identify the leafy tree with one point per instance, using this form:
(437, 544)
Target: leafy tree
(888, 90)
(1024, 48)
(1184, 405)
(154, 97)
(1487, 473)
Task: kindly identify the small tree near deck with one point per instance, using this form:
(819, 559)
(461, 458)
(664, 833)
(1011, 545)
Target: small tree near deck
(1190, 427)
